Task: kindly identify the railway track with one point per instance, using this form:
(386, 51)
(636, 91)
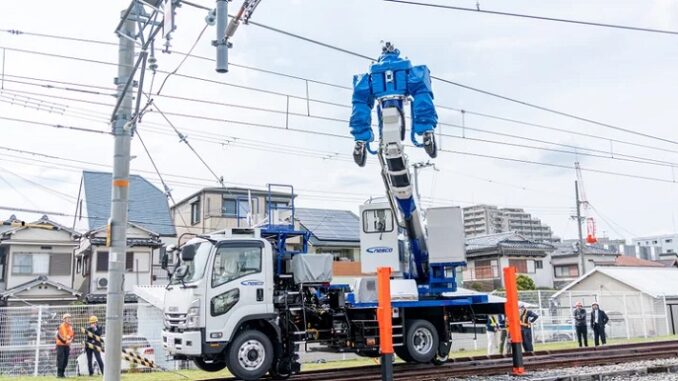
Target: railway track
(497, 365)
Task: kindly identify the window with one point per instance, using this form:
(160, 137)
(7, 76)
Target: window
(233, 262)
(668, 240)
(538, 264)
(102, 261)
(60, 264)
(129, 262)
(239, 208)
(85, 265)
(566, 271)
(30, 264)
(377, 220)
(229, 208)
(195, 212)
(530, 266)
(486, 269)
(2, 265)
(669, 250)
(519, 264)
(654, 242)
(78, 265)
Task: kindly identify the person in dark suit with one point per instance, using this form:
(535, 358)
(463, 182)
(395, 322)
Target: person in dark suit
(94, 330)
(598, 320)
(580, 325)
(527, 318)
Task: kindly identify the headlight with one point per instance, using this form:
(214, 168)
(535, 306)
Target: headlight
(193, 314)
(223, 303)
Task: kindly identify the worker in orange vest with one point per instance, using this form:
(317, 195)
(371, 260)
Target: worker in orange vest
(64, 338)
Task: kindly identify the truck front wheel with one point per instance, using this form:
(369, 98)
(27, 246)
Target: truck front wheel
(250, 355)
(421, 341)
(212, 366)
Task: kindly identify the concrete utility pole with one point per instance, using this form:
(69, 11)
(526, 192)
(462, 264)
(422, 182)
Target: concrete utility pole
(117, 229)
(582, 244)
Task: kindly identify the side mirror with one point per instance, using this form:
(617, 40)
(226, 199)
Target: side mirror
(188, 253)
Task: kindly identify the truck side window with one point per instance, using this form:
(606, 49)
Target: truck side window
(377, 221)
(232, 262)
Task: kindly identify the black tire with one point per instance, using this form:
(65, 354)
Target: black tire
(402, 352)
(421, 341)
(250, 355)
(213, 366)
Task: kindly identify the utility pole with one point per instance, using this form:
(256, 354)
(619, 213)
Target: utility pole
(579, 218)
(417, 166)
(117, 225)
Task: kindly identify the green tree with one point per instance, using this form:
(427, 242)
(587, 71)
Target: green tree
(525, 283)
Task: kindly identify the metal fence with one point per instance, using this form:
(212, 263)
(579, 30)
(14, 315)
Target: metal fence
(27, 337)
(631, 314)
(27, 334)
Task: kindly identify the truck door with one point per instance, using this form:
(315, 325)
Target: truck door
(238, 287)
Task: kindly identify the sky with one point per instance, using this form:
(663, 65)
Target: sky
(618, 77)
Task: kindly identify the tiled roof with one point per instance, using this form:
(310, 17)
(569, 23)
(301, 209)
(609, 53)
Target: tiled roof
(147, 204)
(506, 239)
(330, 224)
(570, 248)
(624, 260)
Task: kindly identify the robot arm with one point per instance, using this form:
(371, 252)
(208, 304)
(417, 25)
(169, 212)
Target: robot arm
(424, 116)
(363, 102)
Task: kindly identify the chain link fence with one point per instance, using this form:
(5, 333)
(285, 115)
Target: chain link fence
(27, 334)
(28, 337)
(631, 314)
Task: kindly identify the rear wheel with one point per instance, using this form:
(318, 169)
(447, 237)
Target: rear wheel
(421, 341)
(211, 366)
(250, 355)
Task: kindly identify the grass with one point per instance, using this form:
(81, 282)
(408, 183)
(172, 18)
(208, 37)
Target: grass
(184, 375)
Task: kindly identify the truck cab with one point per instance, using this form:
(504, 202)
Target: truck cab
(218, 273)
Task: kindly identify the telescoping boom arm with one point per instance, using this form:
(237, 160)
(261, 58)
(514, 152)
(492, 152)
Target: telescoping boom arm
(392, 83)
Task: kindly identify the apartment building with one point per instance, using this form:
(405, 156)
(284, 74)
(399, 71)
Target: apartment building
(667, 243)
(489, 219)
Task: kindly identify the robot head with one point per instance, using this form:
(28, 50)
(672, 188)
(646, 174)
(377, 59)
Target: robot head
(388, 48)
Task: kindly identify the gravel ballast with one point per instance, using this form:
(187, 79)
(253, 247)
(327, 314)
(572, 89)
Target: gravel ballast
(651, 370)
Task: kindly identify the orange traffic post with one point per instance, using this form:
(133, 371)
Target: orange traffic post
(513, 320)
(385, 322)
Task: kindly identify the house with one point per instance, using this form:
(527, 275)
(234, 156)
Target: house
(335, 232)
(36, 262)
(212, 209)
(640, 301)
(627, 261)
(565, 260)
(487, 255)
(149, 229)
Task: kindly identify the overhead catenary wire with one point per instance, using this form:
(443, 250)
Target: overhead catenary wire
(536, 17)
(489, 93)
(578, 150)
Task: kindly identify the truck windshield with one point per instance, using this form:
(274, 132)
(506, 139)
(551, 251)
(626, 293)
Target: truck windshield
(196, 267)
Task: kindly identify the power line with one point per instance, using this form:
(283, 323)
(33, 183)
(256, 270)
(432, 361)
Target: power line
(589, 23)
(195, 43)
(58, 126)
(205, 101)
(496, 95)
(602, 153)
(489, 93)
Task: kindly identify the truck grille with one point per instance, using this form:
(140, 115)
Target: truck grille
(175, 320)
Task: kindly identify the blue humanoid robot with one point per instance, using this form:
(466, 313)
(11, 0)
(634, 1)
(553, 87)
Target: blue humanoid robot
(391, 82)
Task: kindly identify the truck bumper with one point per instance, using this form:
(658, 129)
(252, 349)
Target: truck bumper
(187, 343)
